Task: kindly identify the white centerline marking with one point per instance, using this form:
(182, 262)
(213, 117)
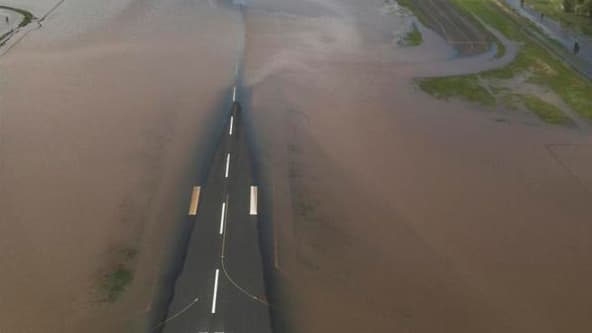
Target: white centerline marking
(231, 124)
(222, 216)
(227, 172)
(194, 201)
(215, 291)
(253, 209)
(234, 94)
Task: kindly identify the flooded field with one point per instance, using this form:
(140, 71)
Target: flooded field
(104, 111)
(392, 211)
(397, 213)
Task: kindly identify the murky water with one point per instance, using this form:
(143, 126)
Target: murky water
(392, 210)
(398, 212)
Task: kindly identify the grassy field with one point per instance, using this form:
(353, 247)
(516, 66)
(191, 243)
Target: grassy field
(554, 9)
(546, 111)
(413, 38)
(540, 69)
(466, 86)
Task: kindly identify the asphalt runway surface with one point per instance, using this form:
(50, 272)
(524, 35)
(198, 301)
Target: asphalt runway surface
(458, 30)
(221, 287)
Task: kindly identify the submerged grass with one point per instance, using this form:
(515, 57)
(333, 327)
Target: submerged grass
(413, 38)
(115, 283)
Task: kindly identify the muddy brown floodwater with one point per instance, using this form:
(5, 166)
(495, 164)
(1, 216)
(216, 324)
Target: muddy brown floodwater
(393, 211)
(104, 114)
(396, 212)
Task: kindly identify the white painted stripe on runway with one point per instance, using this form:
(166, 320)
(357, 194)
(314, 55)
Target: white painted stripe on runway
(215, 291)
(231, 125)
(222, 217)
(253, 209)
(234, 94)
(194, 201)
(227, 172)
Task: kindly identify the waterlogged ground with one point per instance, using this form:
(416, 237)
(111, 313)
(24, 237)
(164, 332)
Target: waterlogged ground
(397, 212)
(106, 111)
(393, 211)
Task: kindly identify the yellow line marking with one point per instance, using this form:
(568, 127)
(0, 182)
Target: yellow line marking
(194, 200)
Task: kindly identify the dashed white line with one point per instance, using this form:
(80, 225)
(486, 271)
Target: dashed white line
(231, 125)
(222, 216)
(227, 172)
(253, 206)
(234, 94)
(215, 292)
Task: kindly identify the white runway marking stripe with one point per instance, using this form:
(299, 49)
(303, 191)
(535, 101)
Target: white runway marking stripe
(215, 291)
(231, 124)
(194, 201)
(227, 172)
(234, 94)
(222, 217)
(253, 206)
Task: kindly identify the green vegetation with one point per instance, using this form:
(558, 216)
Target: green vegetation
(534, 63)
(548, 112)
(27, 16)
(413, 38)
(466, 86)
(577, 14)
(115, 283)
(419, 14)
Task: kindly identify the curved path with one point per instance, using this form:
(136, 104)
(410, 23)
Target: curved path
(468, 65)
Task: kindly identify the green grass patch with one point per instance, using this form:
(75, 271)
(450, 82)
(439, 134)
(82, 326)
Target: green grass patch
(578, 21)
(466, 86)
(115, 283)
(413, 37)
(546, 111)
(27, 16)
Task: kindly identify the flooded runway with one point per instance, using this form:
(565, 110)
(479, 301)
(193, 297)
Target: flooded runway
(392, 211)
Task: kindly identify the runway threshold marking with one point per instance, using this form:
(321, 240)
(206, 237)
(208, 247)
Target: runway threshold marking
(231, 125)
(253, 205)
(222, 216)
(214, 298)
(227, 171)
(194, 203)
